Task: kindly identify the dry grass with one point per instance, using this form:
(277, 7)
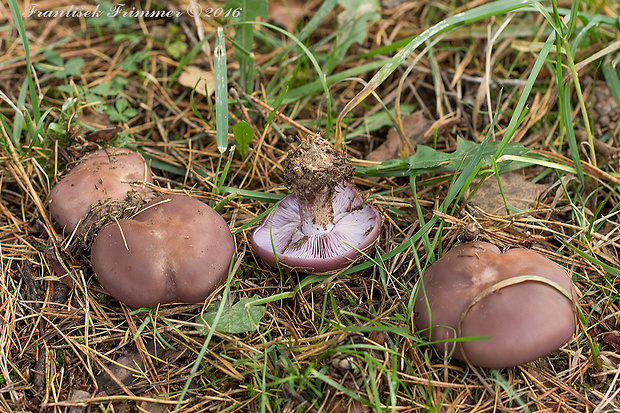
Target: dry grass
(339, 338)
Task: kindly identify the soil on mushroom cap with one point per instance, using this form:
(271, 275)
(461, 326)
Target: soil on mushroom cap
(315, 165)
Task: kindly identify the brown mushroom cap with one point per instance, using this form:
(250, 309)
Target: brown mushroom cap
(177, 249)
(108, 173)
(525, 318)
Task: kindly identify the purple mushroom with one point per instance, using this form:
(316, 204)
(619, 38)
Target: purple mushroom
(106, 174)
(325, 224)
(175, 249)
(509, 299)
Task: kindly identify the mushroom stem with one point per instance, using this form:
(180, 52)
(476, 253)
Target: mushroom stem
(324, 225)
(316, 212)
(313, 170)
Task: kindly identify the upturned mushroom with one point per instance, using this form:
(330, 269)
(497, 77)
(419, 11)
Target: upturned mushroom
(175, 250)
(109, 173)
(324, 225)
(519, 305)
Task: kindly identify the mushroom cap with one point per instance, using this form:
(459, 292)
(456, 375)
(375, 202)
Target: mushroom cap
(176, 249)
(525, 319)
(356, 228)
(105, 174)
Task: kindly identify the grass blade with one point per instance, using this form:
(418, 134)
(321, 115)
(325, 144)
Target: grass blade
(611, 78)
(320, 74)
(19, 23)
(516, 116)
(320, 15)
(451, 23)
(249, 11)
(221, 91)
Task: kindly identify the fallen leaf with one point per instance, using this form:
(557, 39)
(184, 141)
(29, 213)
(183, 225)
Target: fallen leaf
(415, 126)
(153, 407)
(344, 404)
(193, 76)
(103, 135)
(613, 339)
(241, 317)
(378, 338)
(77, 394)
(287, 14)
(122, 370)
(519, 192)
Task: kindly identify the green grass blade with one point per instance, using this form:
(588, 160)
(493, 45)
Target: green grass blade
(315, 64)
(566, 113)
(253, 195)
(224, 174)
(318, 17)
(20, 116)
(249, 11)
(611, 78)
(316, 86)
(221, 91)
(516, 116)
(19, 23)
(9, 135)
(568, 116)
(192, 102)
(333, 383)
(451, 23)
(573, 17)
(205, 345)
(276, 106)
(539, 162)
(499, 185)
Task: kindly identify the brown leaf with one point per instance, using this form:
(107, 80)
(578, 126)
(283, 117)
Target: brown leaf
(57, 266)
(287, 14)
(193, 74)
(613, 339)
(153, 407)
(103, 135)
(121, 372)
(77, 394)
(344, 404)
(519, 192)
(415, 126)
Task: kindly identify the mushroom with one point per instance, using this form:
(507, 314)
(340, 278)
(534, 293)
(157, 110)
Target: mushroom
(108, 173)
(176, 249)
(515, 302)
(325, 224)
